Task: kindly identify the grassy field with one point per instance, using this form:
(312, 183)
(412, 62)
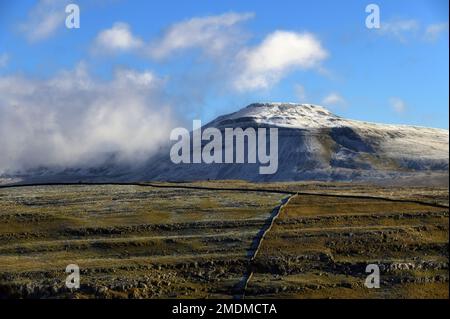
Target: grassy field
(319, 248)
(198, 240)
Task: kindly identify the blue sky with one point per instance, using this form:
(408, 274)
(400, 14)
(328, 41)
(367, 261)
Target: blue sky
(398, 74)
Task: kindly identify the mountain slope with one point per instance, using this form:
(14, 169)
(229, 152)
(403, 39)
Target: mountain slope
(315, 144)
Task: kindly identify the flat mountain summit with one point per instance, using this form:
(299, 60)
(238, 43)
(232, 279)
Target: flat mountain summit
(288, 115)
(313, 145)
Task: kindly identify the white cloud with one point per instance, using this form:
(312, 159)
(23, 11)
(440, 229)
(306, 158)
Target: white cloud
(4, 58)
(279, 53)
(300, 92)
(398, 105)
(44, 19)
(213, 34)
(334, 99)
(410, 29)
(220, 38)
(433, 31)
(118, 38)
(399, 29)
(73, 119)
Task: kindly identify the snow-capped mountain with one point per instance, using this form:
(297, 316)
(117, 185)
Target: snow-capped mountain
(313, 144)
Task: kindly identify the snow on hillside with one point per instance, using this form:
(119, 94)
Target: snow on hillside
(314, 144)
(393, 139)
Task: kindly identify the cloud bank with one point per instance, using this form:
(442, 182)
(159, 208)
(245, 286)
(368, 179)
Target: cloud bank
(213, 34)
(44, 19)
(221, 39)
(73, 119)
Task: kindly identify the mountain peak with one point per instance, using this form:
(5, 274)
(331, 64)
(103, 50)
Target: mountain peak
(285, 105)
(299, 108)
(283, 115)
